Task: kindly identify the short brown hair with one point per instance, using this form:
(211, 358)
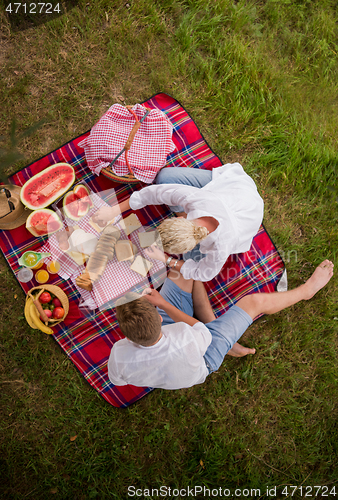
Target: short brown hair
(138, 319)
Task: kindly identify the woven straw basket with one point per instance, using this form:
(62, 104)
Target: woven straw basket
(59, 293)
(129, 178)
(126, 179)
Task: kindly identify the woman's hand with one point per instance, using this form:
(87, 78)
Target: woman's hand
(154, 297)
(153, 252)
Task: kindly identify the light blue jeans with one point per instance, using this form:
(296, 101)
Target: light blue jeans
(225, 330)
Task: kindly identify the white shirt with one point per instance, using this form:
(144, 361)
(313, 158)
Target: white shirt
(174, 362)
(231, 197)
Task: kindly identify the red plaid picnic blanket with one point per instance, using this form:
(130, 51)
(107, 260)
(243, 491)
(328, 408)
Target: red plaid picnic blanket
(88, 338)
(149, 149)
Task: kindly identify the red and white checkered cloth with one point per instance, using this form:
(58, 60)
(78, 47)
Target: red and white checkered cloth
(149, 149)
(117, 278)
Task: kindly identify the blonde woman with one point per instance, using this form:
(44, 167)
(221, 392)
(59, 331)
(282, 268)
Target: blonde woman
(222, 215)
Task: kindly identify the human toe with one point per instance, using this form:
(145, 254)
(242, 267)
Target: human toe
(326, 263)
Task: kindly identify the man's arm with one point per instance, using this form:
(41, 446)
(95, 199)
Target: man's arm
(113, 372)
(156, 299)
(106, 214)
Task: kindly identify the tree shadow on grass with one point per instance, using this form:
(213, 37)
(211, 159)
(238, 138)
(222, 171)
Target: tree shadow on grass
(26, 15)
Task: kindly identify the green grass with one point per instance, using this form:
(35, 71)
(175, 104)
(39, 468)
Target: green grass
(260, 79)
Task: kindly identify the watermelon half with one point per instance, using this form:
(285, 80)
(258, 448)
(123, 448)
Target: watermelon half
(42, 222)
(83, 193)
(74, 208)
(47, 186)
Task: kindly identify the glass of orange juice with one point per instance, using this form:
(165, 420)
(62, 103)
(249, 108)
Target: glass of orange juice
(53, 267)
(42, 276)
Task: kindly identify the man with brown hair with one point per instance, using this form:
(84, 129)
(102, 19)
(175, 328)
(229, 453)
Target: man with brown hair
(138, 319)
(186, 350)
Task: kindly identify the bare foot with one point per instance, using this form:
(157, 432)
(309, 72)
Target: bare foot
(322, 275)
(238, 351)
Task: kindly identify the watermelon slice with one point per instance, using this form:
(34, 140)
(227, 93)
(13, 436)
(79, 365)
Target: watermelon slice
(47, 186)
(42, 222)
(83, 208)
(73, 207)
(83, 193)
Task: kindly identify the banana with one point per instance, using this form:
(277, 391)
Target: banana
(38, 323)
(27, 313)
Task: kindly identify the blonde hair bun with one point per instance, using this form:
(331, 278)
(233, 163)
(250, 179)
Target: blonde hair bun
(200, 232)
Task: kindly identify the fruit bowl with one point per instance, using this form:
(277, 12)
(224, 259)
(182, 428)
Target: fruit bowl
(58, 292)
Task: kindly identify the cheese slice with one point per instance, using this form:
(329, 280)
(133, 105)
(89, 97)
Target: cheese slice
(78, 257)
(148, 238)
(135, 249)
(141, 266)
(130, 224)
(124, 250)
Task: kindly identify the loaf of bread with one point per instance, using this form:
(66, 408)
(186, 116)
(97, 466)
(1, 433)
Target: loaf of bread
(107, 241)
(106, 246)
(96, 266)
(98, 260)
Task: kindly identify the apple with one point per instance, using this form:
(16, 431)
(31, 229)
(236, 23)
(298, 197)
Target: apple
(45, 297)
(48, 313)
(56, 302)
(58, 313)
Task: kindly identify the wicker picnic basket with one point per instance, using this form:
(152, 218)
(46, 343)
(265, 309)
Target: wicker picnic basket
(129, 178)
(126, 179)
(58, 292)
